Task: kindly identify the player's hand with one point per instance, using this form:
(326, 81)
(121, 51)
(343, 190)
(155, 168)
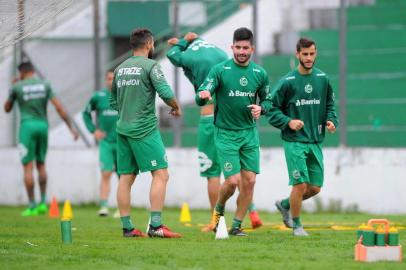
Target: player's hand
(75, 134)
(176, 112)
(98, 134)
(173, 41)
(296, 124)
(14, 80)
(255, 111)
(330, 127)
(189, 37)
(205, 95)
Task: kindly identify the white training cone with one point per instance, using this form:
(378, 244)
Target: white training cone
(149, 222)
(221, 232)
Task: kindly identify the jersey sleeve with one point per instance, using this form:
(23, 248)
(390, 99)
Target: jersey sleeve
(209, 84)
(275, 116)
(50, 91)
(175, 53)
(330, 105)
(87, 114)
(264, 95)
(160, 84)
(113, 96)
(12, 94)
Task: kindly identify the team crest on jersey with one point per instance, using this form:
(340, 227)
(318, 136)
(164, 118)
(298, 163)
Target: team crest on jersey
(228, 166)
(243, 81)
(204, 161)
(296, 174)
(308, 88)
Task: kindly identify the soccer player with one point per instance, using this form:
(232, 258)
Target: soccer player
(236, 84)
(139, 143)
(302, 107)
(196, 57)
(105, 133)
(32, 95)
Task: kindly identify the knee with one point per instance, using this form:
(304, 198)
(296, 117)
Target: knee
(315, 190)
(233, 181)
(300, 188)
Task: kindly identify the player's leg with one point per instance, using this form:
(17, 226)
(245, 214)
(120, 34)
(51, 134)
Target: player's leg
(42, 179)
(107, 160)
(29, 186)
(213, 187)
(41, 151)
(128, 169)
(315, 168)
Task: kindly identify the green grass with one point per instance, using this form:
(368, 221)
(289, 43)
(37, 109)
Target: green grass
(97, 244)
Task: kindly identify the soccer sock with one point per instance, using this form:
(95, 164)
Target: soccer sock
(43, 198)
(32, 204)
(127, 224)
(219, 208)
(285, 203)
(296, 222)
(103, 203)
(252, 208)
(156, 219)
(236, 223)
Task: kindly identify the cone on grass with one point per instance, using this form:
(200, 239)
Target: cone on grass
(53, 209)
(67, 211)
(149, 222)
(185, 216)
(221, 232)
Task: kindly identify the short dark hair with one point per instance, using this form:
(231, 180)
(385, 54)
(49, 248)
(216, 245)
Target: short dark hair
(140, 37)
(304, 42)
(25, 67)
(243, 33)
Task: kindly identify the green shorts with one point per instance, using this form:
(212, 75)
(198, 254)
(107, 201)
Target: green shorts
(33, 141)
(208, 158)
(107, 156)
(305, 163)
(146, 154)
(237, 149)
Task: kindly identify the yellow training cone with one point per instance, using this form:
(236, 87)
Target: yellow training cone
(185, 214)
(67, 211)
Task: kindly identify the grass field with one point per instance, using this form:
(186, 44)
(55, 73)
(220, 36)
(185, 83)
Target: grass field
(35, 243)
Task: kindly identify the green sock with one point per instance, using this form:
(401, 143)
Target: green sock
(103, 203)
(296, 222)
(127, 224)
(252, 208)
(32, 204)
(156, 219)
(43, 198)
(219, 208)
(285, 203)
(236, 223)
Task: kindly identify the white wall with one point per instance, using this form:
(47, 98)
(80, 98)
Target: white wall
(371, 178)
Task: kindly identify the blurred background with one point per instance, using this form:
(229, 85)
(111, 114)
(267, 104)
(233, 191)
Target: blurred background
(361, 46)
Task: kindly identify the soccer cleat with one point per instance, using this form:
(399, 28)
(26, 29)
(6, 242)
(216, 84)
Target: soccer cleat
(208, 228)
(237, 232)
(287, 218)
(133, 233)
(255, 220)
(116, 214)
(162, 232)
(42, 208)
(215, 218)
(103, 212)
(30, 212)
(299, 231)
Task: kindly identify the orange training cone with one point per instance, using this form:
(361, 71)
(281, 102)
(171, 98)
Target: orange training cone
(53, 209)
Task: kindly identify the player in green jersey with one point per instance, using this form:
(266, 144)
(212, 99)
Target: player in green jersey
(32, 95)
(104, 132)
(302, 107)
(196, 57)
(236, 84)
(139, 144)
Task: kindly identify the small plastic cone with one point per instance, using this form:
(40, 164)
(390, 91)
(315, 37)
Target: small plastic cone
(149, 222)
(53, 209)
(221, 232)
(185, 214)
(67, 211)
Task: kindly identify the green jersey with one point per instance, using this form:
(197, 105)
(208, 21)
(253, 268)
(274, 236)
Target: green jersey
(32, 97)
(136, 82)
(106, 117)
(195, 58)
(235, 88)
(309, 98)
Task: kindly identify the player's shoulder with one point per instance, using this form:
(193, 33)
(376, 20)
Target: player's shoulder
(224, 65)
(100, 93)
(289, 77)
(318, 73)
(257, 68)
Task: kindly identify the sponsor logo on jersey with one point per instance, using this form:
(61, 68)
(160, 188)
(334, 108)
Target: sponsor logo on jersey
(197, 44)
(129, 71)
(121, 83)
(34, 91)
(243, 81)
(237, 93)
(303, 102)
(109, 112)
(228, 167)
(308, 88)
(204, 161)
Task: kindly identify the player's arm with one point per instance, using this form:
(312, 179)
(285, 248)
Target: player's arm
(88, 120)
(332, 119)
(205, 92)
(164, 90)
(8, 105)
(264, 99)
(62, 113)
(178, 46)
(275, 116)
(113, 96)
